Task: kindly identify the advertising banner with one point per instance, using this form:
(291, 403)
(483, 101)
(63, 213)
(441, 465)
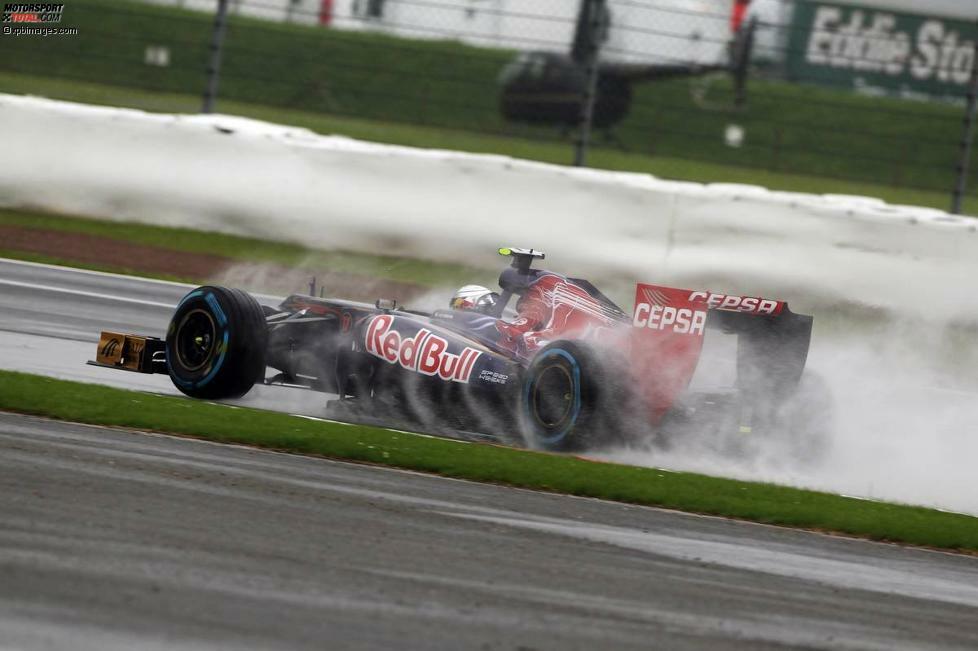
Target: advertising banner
(877, 51)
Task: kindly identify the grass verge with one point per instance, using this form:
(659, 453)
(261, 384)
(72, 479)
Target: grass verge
(765, 503)
(422, 272)
(667, 167)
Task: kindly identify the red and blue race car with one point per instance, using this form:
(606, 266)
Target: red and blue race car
(567, 369)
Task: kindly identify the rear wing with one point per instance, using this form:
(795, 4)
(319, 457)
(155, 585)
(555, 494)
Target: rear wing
(668, 329)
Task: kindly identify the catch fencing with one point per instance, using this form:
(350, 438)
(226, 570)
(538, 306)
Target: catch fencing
(851, 91)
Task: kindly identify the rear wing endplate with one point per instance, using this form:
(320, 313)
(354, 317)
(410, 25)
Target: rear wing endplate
(772, 341)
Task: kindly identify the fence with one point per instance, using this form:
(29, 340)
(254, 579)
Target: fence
(834, 90)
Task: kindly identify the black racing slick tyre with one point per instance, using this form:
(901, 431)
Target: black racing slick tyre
(215, 344)
(566, 403)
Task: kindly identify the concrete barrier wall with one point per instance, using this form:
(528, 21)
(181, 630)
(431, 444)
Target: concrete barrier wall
(258, 179)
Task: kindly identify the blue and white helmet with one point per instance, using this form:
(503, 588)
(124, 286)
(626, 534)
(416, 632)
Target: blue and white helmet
(475, 298)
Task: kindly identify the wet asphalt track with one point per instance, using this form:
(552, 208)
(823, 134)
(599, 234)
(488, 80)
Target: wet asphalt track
(117, 540)
(50, 319)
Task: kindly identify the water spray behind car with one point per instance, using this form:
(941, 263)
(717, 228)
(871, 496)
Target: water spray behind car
(566, 370)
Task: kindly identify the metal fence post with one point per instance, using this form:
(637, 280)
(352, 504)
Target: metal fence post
(596, 14)
(966, 137)
(214, 61)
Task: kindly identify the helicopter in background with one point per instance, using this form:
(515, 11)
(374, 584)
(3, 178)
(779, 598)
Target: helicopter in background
(546, 88)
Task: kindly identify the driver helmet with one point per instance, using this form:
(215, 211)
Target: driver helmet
(475, 298)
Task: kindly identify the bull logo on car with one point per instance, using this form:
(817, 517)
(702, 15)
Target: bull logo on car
(424, 353)
(110, 348)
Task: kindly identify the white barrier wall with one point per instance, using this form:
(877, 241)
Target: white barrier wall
(252, 178)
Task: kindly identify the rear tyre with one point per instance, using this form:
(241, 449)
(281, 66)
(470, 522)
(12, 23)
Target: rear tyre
(216, 342)
(565, 404)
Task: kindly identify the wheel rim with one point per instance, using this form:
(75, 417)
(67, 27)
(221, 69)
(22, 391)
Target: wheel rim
(553, 396)
(196, 337)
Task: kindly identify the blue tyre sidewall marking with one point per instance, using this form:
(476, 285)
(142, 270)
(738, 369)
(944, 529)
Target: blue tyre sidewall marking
(215, 307)
(559, 436)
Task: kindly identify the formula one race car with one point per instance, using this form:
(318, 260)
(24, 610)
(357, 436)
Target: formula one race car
(567, 370)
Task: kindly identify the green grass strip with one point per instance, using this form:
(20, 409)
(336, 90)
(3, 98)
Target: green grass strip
(765, 503)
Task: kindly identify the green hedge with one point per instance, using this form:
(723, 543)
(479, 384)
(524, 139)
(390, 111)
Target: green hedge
(360, 74)
(790, 128)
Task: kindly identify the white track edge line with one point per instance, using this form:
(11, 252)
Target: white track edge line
(92, 272)
(145, 279)
(78, 292)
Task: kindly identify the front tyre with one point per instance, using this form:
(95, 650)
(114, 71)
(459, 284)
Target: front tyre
(215, 344)
(564, 403)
